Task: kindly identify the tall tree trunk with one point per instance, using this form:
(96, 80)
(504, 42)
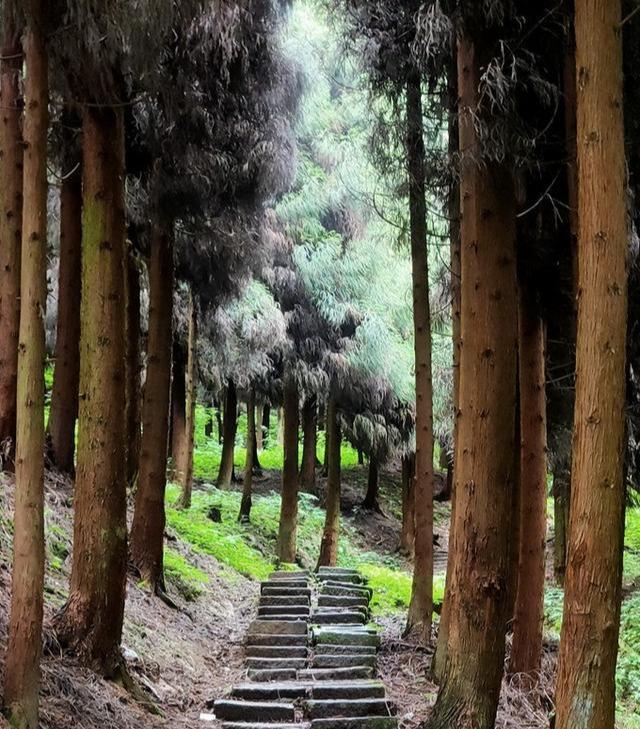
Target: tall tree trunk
(287, 533)
(178, 408)
(259, 431)
(330, 536)
(266, 424)
(529, 612)
(22, 666)
(147, 529)
(186, 476)
(360, 457)
(11, 157)
(257, 468)
(229, 426)
(421, 605)
(371, 499)
(561, 500)
(309, 432)
(247, 486)
(585, 694)
(440, 656)
(133, 395)
(407, 535)
(66, 375)
(91, 624)
(484, 462)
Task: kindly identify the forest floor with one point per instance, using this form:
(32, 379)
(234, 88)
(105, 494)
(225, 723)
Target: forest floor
(188, 657)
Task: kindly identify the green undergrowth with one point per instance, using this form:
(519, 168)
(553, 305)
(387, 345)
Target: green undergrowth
(249, 549)
(188, 580)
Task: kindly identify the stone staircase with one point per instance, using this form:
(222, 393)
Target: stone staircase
(310, 657)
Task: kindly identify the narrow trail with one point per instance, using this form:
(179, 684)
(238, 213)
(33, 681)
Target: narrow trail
(310, 658)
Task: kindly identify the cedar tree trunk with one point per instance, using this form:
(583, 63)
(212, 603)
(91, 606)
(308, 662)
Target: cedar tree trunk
(133, 414)
(407, 535)
(585, 693)
(11, 155)
(66, 375)
(484, 457)
(229, 425)
(247, 486)
(309, 432)
(91, 623)
(561, 500)
(421, 605)
(371, 500)
(329, 545)
(288, 529)
(147, 529)
(186, 476)
(529, 611)
(440, 656)
(24, 647)
(178, 408)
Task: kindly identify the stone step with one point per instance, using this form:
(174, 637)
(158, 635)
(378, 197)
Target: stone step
(291, 584)
(343, 601)
(348, 690)
(284, 600)
(332, 649)
(327, 660)
(273, 590)
(285, 662)
(263, 675)
(338, 617)
(338, 570)
(234, 710)
(346, 585)
(336, 674)
(261, 725)
(283, 610)
(346, 637)
(276, 651)
(339, 609)
(326, 708)
(361, 722)
(342, 577)
(289, 575)
(285, 618)
(272, 691)
(294, 626)
(339, 589)
(270, 639)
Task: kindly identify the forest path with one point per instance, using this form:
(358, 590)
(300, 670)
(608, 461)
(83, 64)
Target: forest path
(310, 658)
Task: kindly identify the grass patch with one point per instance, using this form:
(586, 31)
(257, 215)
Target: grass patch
(188, 580)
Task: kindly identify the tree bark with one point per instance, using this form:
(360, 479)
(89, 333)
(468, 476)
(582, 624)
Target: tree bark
(229, 426)
(309, 432)
(484, 461)
(147, 529)
(526, 648)
(585, 693)
(178, 408)
(133, 367)
(421, 606)
(561, 500)
(407, 535)
(66, 375)
(259, 431)
(266, 424)
(287, 533)
(91, 623)
(11, 160)
(330, 536)
(247, 486)
(371, 499)
(22, 667)
(186, 476)
(440, 656)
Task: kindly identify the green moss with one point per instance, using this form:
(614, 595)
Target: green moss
(188, 580)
